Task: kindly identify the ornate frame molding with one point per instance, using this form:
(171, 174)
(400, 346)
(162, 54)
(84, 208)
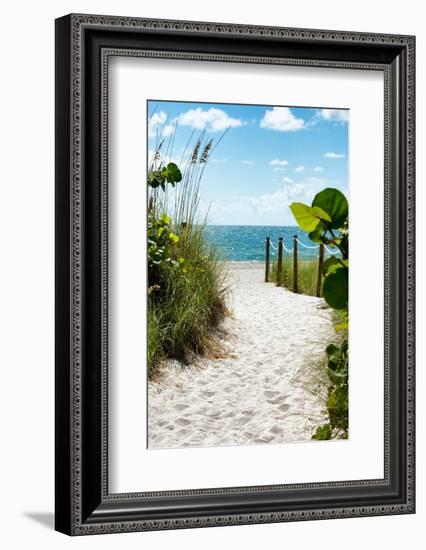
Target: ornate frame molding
(72, 47)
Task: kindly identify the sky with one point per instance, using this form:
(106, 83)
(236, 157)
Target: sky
(269, 156)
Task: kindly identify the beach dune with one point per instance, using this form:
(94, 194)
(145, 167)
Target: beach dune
(267, 387)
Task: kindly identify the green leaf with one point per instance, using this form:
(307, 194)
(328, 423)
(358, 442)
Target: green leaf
(304, 216)
(338, 377)
(330, 265)
(335, 289)
(341, 326)
(334, 203)
(174, 175)
(173, 237)
(337, 405)
(317, 234)
(320, 213)
(308, 217)
(154, 179)
(331, 349)
(322, 433)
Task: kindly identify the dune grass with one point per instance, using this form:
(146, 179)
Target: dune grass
(184, 312)
(187, 291)
(307, 275)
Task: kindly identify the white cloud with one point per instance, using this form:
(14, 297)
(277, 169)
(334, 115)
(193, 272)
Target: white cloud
(278, 162)
(333, 115)
(268, 208)
(318, 169)
(279, 169)
(271, 208)
(338, 116)
(249, 162)
(299, 169)
(332, 155)
(282, 120)
(287, 180)
(157, 125)
(212, 120)
(223, 159)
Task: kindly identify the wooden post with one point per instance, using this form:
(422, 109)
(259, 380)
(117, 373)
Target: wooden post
(295, 287)
(267, 245)
(320, 262)
(280, 262)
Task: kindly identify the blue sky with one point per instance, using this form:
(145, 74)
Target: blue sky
(268, 158)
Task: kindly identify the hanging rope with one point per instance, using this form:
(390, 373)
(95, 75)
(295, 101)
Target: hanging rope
(315, 247)
(286, 249)
(306, 246)
(331, 251)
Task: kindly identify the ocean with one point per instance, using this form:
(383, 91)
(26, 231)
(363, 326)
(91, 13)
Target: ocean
(238, 243)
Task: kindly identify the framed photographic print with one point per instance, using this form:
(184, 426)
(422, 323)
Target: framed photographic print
(234, 274)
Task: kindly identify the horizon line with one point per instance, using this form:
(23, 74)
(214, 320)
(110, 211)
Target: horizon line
(248, 225)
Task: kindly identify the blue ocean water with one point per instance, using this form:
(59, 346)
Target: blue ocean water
(247, 242)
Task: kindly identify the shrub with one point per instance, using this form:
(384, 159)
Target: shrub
(186, 282)
(326, 221)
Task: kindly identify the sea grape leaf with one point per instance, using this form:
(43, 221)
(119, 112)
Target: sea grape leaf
(317, 234)
(334, 203)
(330, 265)
(308, 217)
(335, 289)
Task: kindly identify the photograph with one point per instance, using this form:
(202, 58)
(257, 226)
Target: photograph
(248, 274)
(217, 363)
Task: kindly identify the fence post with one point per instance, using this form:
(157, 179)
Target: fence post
(295, 287)
(280, 261)
(267, 244)
(320, 262)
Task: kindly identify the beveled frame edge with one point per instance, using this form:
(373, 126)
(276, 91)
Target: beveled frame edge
(68, 222)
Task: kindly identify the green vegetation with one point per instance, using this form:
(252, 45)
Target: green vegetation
(326, 221)
(307, 275)
(186, 291)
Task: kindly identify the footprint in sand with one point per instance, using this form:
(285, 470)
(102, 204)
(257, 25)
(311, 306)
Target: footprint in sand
(276, 429)
(183, 421)
(258, 394)
(271, 393)
(275, 401)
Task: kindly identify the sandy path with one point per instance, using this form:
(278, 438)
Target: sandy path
(265, 391)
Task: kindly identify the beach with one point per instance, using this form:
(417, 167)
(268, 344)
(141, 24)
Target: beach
(266, 385)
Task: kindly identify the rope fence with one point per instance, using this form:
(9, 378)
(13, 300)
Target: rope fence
(281, 248)
(314, 247)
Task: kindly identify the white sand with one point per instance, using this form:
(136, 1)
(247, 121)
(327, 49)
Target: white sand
(270, 388)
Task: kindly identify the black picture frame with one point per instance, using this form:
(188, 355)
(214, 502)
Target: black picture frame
(83, 45)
